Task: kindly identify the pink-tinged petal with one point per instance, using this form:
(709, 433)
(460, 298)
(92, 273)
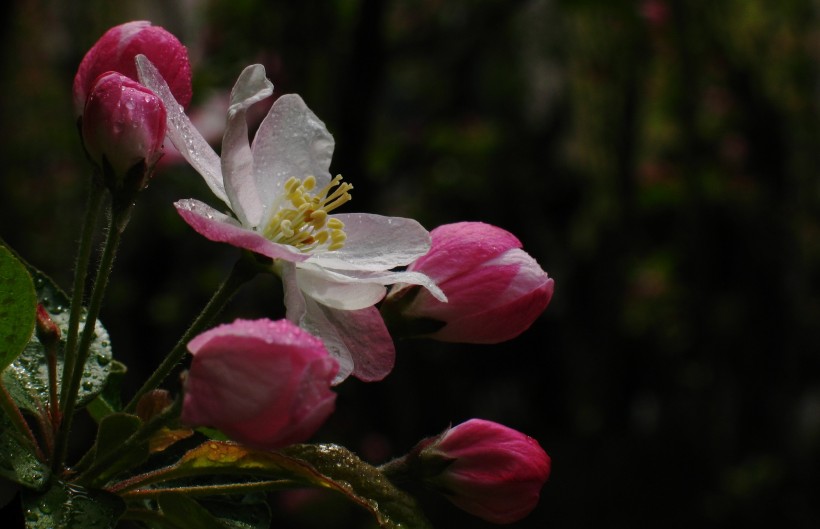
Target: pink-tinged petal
(337, 291)
(219, 227)
(313, 405)
(358, 335)
(308, 315)
(529, 275)
(467, 294)
(290, 142)
(219, 372)
(461, 246)
(376, 242)
(499, 323)
(115, 51)
(237, 160)
(494, 303)
(185, 137)
(263, 383)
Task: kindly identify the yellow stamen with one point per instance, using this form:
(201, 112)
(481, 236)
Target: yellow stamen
(305, 223)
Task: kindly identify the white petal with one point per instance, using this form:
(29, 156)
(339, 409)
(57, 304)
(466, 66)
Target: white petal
(291, 141)
(317, 323)
(398, 278)
(294, 299)
(358, 339)
(237, 160)
(188, 141)
(375, 242)
(336, 290)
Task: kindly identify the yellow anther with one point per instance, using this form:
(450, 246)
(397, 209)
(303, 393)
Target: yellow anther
(291, 183)
(305, 223)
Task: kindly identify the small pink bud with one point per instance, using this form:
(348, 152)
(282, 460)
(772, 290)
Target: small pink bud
(263, 383)
(124, 123)
(488, 469)
(495, 290)
(48, 332)
(116, 50)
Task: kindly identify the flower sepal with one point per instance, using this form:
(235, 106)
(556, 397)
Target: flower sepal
(124, 188)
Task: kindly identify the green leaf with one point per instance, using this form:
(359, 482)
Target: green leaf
(109, 400)
(27, 377)
(186, 513)
(69, 506)
(18, 306)
(363, 484)
(17, 463)
(324, 466)
(114, 430)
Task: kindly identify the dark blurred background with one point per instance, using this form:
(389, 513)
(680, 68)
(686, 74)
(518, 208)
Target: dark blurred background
(659, 158)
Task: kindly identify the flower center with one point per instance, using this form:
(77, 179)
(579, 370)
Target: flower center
(305, 223)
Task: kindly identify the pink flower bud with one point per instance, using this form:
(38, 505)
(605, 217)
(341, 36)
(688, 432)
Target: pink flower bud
(263, 383)
(124, 123)
(489, 470)
(48, 332)
(116, 50)
(494, 289)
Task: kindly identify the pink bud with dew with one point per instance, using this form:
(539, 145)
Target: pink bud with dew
(495, 290)
(489, 470)
(116, 50)
(124, 123)
(263, 383)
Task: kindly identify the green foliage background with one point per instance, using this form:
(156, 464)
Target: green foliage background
(659, 158)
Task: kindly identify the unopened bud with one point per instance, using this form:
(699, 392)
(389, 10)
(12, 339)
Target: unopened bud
(118, 47)
(123, 130)
(47, 331)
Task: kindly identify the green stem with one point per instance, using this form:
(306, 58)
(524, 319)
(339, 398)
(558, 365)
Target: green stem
(240, 274)
(100, 465)
(213, 490)
(19, 422)
(53, 404)
(80, 272)
(106, 265)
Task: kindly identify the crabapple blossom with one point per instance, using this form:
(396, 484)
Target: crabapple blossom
(282, 201)
(485, 468)
(494, 289)
(116, 49)
(123, 125)
(263, 383)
